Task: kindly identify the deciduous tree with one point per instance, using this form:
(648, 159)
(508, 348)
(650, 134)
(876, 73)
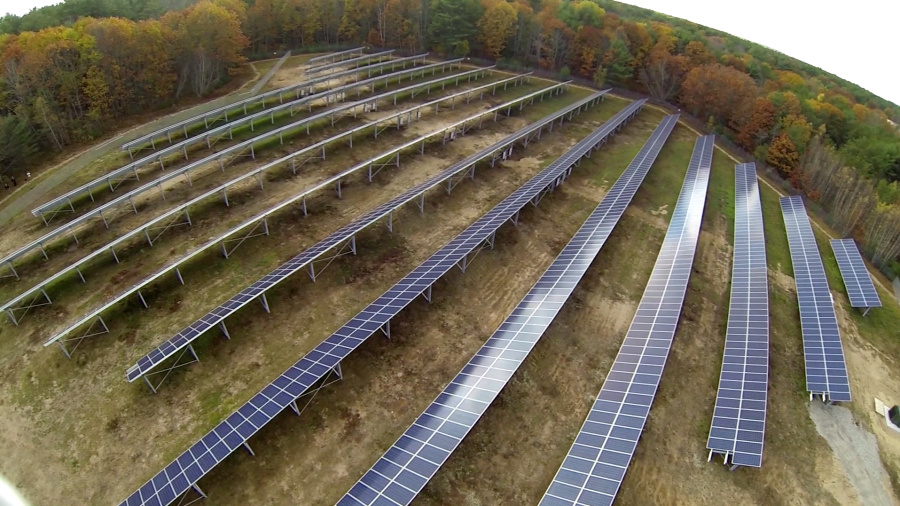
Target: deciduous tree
(783, 155)
(663, 72)
(758, 127)
(721, 92)
(496, 26)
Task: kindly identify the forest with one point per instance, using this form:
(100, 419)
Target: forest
(72, 71)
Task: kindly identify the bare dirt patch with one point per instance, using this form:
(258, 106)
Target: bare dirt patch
(856, 450)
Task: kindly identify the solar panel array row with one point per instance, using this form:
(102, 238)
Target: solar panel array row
(592, 472)
(301, 261)
(332, 57)
(739, 418)
(106, 179)
(357, 62)
(164, 220)
(826, 370)
(181, 474)
(210, 137)
(401, 473)
(202, 117)
(128, 168)
(127, 197)
(857, 281)
(259, 219)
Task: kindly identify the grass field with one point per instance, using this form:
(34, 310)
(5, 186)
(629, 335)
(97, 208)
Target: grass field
(69, 425)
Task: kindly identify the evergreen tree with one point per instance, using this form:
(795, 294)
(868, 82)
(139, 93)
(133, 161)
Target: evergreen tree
(453, 24)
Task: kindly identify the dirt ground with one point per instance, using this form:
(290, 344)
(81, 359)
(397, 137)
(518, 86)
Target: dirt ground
(74, 424)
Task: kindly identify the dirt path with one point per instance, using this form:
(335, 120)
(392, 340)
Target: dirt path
(857, 451)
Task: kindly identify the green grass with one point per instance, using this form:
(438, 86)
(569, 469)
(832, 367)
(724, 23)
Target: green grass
(879, 326)
(778, 253)
(720, 195)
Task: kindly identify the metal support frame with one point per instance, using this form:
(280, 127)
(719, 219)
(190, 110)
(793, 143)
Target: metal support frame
(726, 455)
(78, 339)
(487, 243)
(394, 160)
(192, 358)
(184, 497)
(332, 376)
(866, 311)
(468, 173)
(48, 216)
(42, 294)
(240, 240)
(133, 175)
(163, 228)
(347, 248)
(11, 269)
(294, 165)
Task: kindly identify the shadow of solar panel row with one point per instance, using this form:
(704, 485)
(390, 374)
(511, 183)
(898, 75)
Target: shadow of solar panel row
(401, 473)
(338, 238)
(739, 418)
(592, 472)
(857, 280)
(182, 474)
(823, 353)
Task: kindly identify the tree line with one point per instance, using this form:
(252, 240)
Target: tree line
(67, 83)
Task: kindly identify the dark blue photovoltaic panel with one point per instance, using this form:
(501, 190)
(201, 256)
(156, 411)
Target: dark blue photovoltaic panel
(592, 472)
(183, 338)
(857, 281)
(739, 418)
(401, 473)
(318, 363)
(823, 353)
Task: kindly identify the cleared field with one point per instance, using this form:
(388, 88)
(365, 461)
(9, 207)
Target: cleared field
(69, 425)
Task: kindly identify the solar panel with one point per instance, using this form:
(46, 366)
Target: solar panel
(857, 281)
(183, 338)
(592, 472)
(359, 60)
(739, 418)
(826, 371)
(493, 153)
(333, 56)
(401, 473)
(182, 474)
